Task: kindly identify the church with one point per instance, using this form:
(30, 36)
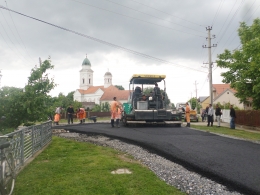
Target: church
(89, 95)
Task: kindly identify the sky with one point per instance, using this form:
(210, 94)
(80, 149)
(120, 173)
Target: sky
(124, 37)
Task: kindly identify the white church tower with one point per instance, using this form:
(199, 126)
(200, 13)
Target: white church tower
(86, 75)
(107, 79)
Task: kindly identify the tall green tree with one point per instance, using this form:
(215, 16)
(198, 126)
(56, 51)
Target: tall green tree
(243, 64)
(30, 104)
(35, 97)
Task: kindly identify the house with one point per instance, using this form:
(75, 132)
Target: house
(228, 96)
(204, 101)
(89, 95)
(223, 94)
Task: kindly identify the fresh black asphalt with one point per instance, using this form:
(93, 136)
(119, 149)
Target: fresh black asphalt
(232, 162)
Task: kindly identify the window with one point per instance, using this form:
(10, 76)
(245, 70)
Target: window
(83, 81)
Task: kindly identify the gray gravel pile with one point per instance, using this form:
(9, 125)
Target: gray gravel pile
(172, 173)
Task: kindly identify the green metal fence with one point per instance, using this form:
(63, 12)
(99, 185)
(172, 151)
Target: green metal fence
(28, 141)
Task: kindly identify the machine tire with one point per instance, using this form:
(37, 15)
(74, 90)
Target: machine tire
(124, 121)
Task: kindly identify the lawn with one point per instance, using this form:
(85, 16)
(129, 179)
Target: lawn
(243, 134)
(69, 167)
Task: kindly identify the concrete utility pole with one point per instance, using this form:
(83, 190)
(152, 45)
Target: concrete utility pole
(209, 28)
(196, 90)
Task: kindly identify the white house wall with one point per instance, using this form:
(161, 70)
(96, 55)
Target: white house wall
(229, 97)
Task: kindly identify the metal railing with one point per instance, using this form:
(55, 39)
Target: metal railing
(28, 141)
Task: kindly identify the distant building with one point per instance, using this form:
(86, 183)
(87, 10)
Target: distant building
(89, 95)
(223, 94)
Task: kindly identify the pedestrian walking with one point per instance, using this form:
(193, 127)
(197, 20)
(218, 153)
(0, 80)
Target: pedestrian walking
(232, 117)
(210, 115)
(187, 114)
(218, 114)
(70, 112)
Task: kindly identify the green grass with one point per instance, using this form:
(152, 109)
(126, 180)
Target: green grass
(68, 167)
(255, 136)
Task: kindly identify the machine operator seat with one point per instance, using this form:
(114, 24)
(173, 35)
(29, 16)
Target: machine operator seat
(136, 96)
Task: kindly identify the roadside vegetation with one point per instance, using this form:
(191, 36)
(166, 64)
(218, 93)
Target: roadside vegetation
(70, 167)
(249, 135)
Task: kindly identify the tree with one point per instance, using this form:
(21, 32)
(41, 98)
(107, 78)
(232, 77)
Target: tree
(30, 104)
(97, 108)
(173, 106)
(193, 103)
(105, 107)
(70, 96)
(148, 90)
(243, 64)
(35, 97)
(11, 106)
(120, 87)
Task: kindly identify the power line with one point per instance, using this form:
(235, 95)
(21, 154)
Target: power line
(103, 42)
(17, 33)
(136, 18)
(168, 13)
(150, 15)
(231, 35)
(219, 7)
(11, 40)
(230, 21)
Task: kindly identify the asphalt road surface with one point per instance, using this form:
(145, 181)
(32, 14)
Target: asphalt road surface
(232, 162)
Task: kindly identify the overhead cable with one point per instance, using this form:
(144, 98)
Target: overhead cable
(168, 14)
(137, 19)
(150, 15)
(219, 7)
(104, 42)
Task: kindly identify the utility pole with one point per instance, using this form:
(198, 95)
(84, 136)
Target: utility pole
(209, 28)
(196, 90)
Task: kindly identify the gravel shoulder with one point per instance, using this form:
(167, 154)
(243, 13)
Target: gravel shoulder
(172, 173)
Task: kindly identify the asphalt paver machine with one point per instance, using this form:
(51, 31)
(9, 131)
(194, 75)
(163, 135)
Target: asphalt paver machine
(151, 109)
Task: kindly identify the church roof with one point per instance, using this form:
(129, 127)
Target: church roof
(91, 90)
(109, 92)
(86, 62)
(108, 74)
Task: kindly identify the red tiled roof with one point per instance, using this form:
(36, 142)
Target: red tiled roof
(112, 91)
(109, 92)
(220, 88)
(91, 90)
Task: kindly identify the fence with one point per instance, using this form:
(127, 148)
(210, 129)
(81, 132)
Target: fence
(29, 140)
(243, 117)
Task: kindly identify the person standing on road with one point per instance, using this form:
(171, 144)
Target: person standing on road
(80, 115)
(206, 113)
(119, 114)
(187, 114)
(218, 114)
(57, 115)
(210, 115)
(113, 110)
(70, 112)
(232, 117)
